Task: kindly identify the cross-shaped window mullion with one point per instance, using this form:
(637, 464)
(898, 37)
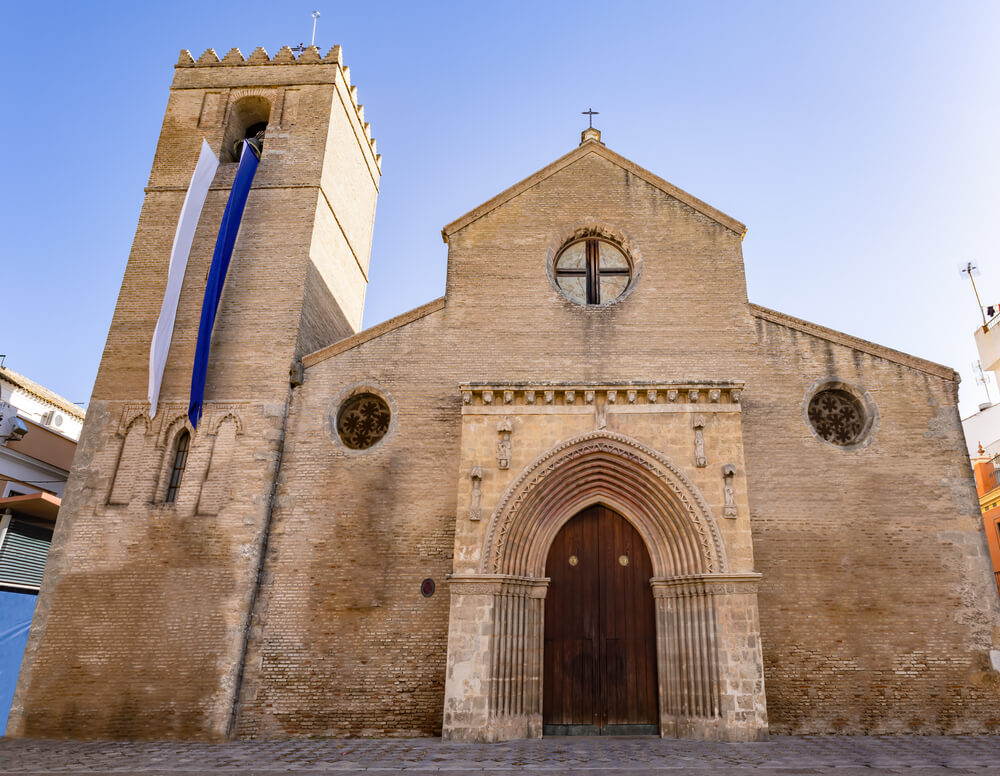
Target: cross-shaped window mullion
(591, 269)
(593, 274)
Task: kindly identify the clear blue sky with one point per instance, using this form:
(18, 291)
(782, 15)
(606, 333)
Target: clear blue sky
(857, 140)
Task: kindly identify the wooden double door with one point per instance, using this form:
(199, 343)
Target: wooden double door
(600, 630)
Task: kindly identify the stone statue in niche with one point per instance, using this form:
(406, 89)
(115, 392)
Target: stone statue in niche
(504, 429)
(698, 423)
(475, 510)
(729, 509)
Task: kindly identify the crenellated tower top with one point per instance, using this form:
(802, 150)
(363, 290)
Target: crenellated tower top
(310, 67)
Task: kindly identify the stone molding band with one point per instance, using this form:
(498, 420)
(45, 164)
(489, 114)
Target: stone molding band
(494, 584)
(704, 584)
(581, 394)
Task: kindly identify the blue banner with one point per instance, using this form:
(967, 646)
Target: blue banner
(228, 230)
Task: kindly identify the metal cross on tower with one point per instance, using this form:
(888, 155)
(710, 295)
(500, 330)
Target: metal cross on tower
(591, 113)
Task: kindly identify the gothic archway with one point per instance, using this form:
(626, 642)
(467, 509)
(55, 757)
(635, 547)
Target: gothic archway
(653, 493)
(706, 619)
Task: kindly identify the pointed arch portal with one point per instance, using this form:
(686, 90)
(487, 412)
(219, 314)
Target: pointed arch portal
(707, 647)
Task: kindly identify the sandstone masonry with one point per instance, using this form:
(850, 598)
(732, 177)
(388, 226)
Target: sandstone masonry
(299, 586)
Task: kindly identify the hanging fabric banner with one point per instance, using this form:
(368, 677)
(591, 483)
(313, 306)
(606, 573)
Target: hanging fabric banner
(194, 201)
(228, 230)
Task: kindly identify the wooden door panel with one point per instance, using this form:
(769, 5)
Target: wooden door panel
(571, 632)
(600, 640)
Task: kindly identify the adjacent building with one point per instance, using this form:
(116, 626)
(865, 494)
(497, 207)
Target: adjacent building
(982, 434)
(38, 434)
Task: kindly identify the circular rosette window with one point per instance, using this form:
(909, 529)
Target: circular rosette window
(841, 414)
(592, 271)
(363, 420)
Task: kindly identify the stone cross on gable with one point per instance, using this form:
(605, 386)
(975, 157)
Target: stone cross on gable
(590, 113)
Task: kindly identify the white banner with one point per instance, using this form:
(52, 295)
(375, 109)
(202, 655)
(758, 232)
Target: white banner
(197, 191)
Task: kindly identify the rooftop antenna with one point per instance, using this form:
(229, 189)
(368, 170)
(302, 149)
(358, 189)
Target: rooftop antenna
(977, 367)
(972, 271)
(302, 46)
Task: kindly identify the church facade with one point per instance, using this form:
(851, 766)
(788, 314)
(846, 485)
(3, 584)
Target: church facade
(591, 489)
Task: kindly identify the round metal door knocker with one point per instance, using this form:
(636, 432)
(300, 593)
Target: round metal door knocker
(427, 588)
(573, 560)
(623, 559)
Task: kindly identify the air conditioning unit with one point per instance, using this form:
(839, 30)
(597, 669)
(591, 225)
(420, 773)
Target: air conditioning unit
(53, 418)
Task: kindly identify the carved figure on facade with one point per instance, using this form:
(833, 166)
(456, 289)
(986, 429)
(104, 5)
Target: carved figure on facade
(728, 471)
(504, 447)
(698, 423)
(475, 508)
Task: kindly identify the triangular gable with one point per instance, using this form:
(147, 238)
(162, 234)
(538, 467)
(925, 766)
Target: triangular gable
(594, 147)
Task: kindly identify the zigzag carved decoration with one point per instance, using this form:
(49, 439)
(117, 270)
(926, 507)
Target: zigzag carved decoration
(604, 467)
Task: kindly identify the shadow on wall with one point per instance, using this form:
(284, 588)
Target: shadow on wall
(145, 645)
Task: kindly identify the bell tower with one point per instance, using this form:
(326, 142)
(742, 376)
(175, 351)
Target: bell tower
(145, 609)
(298, 275)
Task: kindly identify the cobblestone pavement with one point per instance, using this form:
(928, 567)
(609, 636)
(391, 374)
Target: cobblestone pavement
(785, 755)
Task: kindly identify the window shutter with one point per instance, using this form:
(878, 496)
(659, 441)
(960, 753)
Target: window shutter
(23, 553)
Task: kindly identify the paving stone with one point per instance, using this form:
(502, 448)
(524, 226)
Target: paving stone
(781, 756)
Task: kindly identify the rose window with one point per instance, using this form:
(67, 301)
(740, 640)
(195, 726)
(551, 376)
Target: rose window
(363, 421)
(837, 416)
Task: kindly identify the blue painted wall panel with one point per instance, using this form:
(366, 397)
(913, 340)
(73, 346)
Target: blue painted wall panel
(15, 620)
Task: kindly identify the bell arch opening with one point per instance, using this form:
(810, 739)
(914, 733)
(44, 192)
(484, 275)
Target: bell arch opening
(247, 120)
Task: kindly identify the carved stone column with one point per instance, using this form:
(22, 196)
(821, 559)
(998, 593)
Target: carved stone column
(493, 686)
(709, 657)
